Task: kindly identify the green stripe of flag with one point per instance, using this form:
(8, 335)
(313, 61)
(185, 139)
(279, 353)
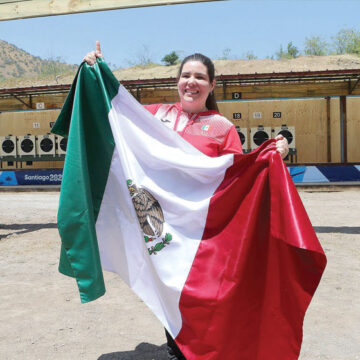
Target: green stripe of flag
(84, 119)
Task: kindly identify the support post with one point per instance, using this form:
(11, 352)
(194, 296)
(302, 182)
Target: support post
(328, 129)
(138, 94)
(224, 90)
(343, 129)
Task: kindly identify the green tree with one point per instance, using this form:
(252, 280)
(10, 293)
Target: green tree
(316, 46)
(347, 41)
(292, 50)
(170, 59)
(291, 53)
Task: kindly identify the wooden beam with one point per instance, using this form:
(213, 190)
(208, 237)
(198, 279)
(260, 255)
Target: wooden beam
(52, 101)
(353, 86)
(22, 101)
(22, 9)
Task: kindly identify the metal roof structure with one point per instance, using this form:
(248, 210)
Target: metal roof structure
(325, 83)
(350, 77)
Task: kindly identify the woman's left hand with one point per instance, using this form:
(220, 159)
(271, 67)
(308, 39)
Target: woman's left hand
(282, 146)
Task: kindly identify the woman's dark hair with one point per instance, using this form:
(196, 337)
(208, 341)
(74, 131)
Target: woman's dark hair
(210, 101)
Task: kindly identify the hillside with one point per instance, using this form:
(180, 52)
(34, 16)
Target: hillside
(230, 67)
(21, 69)
(16, 64)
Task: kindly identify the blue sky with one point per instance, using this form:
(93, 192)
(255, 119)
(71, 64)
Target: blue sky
(240, 25)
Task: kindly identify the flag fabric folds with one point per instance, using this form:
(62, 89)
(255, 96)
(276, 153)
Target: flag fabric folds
(220, 249)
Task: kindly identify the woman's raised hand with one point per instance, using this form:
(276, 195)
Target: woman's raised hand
(90, 58)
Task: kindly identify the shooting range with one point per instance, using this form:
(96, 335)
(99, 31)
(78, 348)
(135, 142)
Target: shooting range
(317, 108)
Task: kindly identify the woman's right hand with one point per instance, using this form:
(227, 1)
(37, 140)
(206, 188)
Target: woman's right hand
(90, 58)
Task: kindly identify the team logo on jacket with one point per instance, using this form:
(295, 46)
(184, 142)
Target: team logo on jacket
(151, 218)
(205, 127)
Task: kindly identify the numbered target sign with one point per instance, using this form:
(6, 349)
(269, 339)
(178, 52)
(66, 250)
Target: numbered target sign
(257, 115)
(36, 125)
(236, 115)
(236, 95)
(277, 114)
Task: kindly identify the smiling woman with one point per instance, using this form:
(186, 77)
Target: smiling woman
(196, 117)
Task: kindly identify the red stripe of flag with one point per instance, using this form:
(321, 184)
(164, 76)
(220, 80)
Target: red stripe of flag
(256, 269)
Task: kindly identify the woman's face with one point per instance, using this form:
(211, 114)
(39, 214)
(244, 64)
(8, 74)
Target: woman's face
(194, 86)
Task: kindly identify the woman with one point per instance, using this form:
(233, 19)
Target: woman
(197, 120)
(196, 117)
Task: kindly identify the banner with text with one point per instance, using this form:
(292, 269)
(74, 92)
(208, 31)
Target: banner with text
(299, 174)
(31, 177)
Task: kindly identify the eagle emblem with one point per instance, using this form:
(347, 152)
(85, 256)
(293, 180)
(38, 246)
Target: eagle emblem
(150, 216)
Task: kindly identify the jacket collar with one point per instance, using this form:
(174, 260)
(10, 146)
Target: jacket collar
(201, 113)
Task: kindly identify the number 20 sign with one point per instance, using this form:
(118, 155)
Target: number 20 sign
(277, 114)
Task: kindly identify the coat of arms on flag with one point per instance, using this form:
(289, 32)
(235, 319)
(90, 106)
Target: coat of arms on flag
(150, 216)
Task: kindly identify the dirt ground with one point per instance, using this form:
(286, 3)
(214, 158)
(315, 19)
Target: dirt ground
(42, 317)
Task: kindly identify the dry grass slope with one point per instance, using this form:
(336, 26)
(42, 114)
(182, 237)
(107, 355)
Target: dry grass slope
(16, 66)
(230, 67)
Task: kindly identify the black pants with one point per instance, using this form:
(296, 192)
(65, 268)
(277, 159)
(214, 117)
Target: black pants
(174, 352)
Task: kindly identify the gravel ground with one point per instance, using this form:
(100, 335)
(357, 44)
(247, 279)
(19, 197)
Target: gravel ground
(42, 317)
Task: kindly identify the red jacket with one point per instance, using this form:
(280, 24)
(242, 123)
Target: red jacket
(208, 131)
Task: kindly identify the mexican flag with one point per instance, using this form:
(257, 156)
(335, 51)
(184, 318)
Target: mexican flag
(220, 249)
